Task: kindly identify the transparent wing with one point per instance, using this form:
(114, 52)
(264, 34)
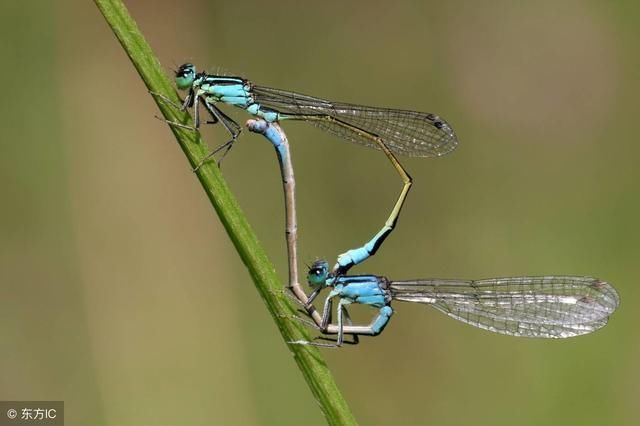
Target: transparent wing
(416, 134)
(549, 307)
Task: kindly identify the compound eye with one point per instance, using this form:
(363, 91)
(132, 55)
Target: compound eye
(184, 70)
(316, 271)
(185, 76)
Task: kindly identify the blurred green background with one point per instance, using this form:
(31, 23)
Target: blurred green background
(122, 295)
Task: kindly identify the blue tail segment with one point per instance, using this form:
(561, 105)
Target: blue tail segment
(272, 135)
(358, 255)
(381, 321)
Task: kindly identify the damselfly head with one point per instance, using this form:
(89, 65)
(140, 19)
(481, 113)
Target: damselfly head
(185, 76)
(318, 273)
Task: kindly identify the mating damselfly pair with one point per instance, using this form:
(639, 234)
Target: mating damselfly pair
(547, 306)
